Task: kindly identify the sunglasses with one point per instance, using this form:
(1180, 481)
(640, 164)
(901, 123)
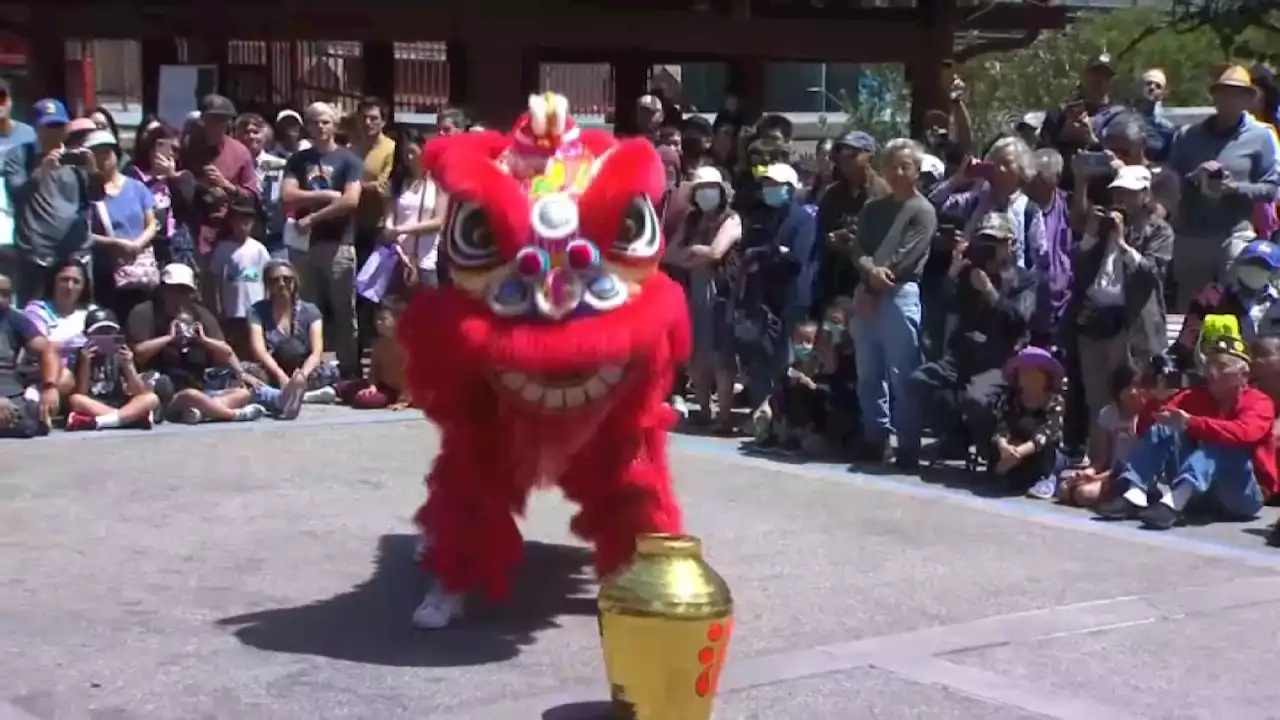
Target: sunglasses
(282, 280)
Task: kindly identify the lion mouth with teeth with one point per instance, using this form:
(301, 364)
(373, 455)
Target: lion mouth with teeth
(558, 392)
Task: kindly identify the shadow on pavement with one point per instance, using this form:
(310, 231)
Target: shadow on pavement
(582, 711)
(370, 623)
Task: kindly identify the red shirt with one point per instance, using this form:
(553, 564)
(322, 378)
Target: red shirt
(1248, 424)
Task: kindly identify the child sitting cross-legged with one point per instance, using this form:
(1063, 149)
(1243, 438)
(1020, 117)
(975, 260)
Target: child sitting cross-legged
(794, 417)
(108, 392)
(1025, 452)
(386, 386)
(1136, 394)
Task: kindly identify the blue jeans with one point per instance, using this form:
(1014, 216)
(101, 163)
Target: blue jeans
(886, 348)
(1223, 474)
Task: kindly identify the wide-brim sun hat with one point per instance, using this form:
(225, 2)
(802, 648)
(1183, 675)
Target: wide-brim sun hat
(1034, 358)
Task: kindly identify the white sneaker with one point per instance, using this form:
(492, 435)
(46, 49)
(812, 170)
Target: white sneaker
(438, 609)
(323, 396)
(680, 406)
(290, 402)
(249, 413)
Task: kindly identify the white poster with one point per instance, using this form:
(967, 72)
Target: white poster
(180, 91)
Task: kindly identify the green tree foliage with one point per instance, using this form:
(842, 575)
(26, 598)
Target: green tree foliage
(1003, 86)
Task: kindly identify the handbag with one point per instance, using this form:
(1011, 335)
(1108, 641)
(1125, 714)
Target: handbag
(142, 272)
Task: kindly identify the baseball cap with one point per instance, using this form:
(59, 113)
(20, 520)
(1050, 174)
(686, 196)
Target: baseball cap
(932, 165)
(995, 225)
(781, 173)
(1132, 177)
(856, 140)
(100, 319)
(215, 105)
(650, 102)
(287, 114)
(49, 112)
(1101, 62)
(178, 274)
(81, 125)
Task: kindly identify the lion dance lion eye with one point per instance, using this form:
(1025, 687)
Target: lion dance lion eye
(638, 235)
(470, 237)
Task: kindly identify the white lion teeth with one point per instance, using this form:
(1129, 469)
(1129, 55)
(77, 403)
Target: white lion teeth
(573, 397)
(554, 399)
(563, 398)
(611, 374)
(532, 393)
(596, 388)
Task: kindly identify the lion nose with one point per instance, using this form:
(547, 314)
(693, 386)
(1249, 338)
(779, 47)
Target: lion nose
(555, 216)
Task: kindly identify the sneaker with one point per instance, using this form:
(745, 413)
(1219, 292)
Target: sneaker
(289, 403)
(190, 416)
(1044, 489)
(438, 609)
(1160, 516)
(80, 421)
(1117, 508)
(249, 413)
(323, 396)
(680, 406)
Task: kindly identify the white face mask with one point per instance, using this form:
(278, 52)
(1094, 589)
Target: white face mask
(1253, 278)
(707, 199)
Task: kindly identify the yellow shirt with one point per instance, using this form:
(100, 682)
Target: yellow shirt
(378, 160)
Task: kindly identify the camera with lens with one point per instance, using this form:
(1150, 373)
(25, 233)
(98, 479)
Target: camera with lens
(980, 254)
(1107, 223)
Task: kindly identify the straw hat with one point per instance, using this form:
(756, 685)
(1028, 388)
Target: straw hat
(1234, 76)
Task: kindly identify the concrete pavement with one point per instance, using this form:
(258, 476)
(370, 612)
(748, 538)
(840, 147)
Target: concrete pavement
(263, 571)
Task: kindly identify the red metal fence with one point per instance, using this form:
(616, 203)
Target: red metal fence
(295, 73)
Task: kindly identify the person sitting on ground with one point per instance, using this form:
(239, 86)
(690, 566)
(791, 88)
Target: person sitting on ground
(1029, 424)
(796, 407)
(109, 392)
(25, 412)
(286, 340)
(386, 386)
(1216, 440)
(1265, 375)
(992, 300)
(237, 264)
(1249, 295)
(179, 338)
(1135, 397)
(59, 315)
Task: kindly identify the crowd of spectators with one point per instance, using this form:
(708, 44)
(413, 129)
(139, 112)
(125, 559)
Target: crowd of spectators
(1008, 299)
(209, 272)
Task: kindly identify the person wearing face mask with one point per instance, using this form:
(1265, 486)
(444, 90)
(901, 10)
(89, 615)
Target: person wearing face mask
(1227, 164)
(1249, 295)
(778, 253)
(702, 250)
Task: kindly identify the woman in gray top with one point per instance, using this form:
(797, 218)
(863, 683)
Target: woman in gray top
(890, 247)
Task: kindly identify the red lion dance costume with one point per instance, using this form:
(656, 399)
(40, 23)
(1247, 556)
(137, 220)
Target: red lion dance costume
(547, 355)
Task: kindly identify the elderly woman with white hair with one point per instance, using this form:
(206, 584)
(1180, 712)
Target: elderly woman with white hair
(892, 244)
(997, 183)
(321, 190)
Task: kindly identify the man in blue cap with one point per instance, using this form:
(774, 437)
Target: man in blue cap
(48, 181)
(12, 132)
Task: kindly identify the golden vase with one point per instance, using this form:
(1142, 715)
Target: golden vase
(665, 622)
